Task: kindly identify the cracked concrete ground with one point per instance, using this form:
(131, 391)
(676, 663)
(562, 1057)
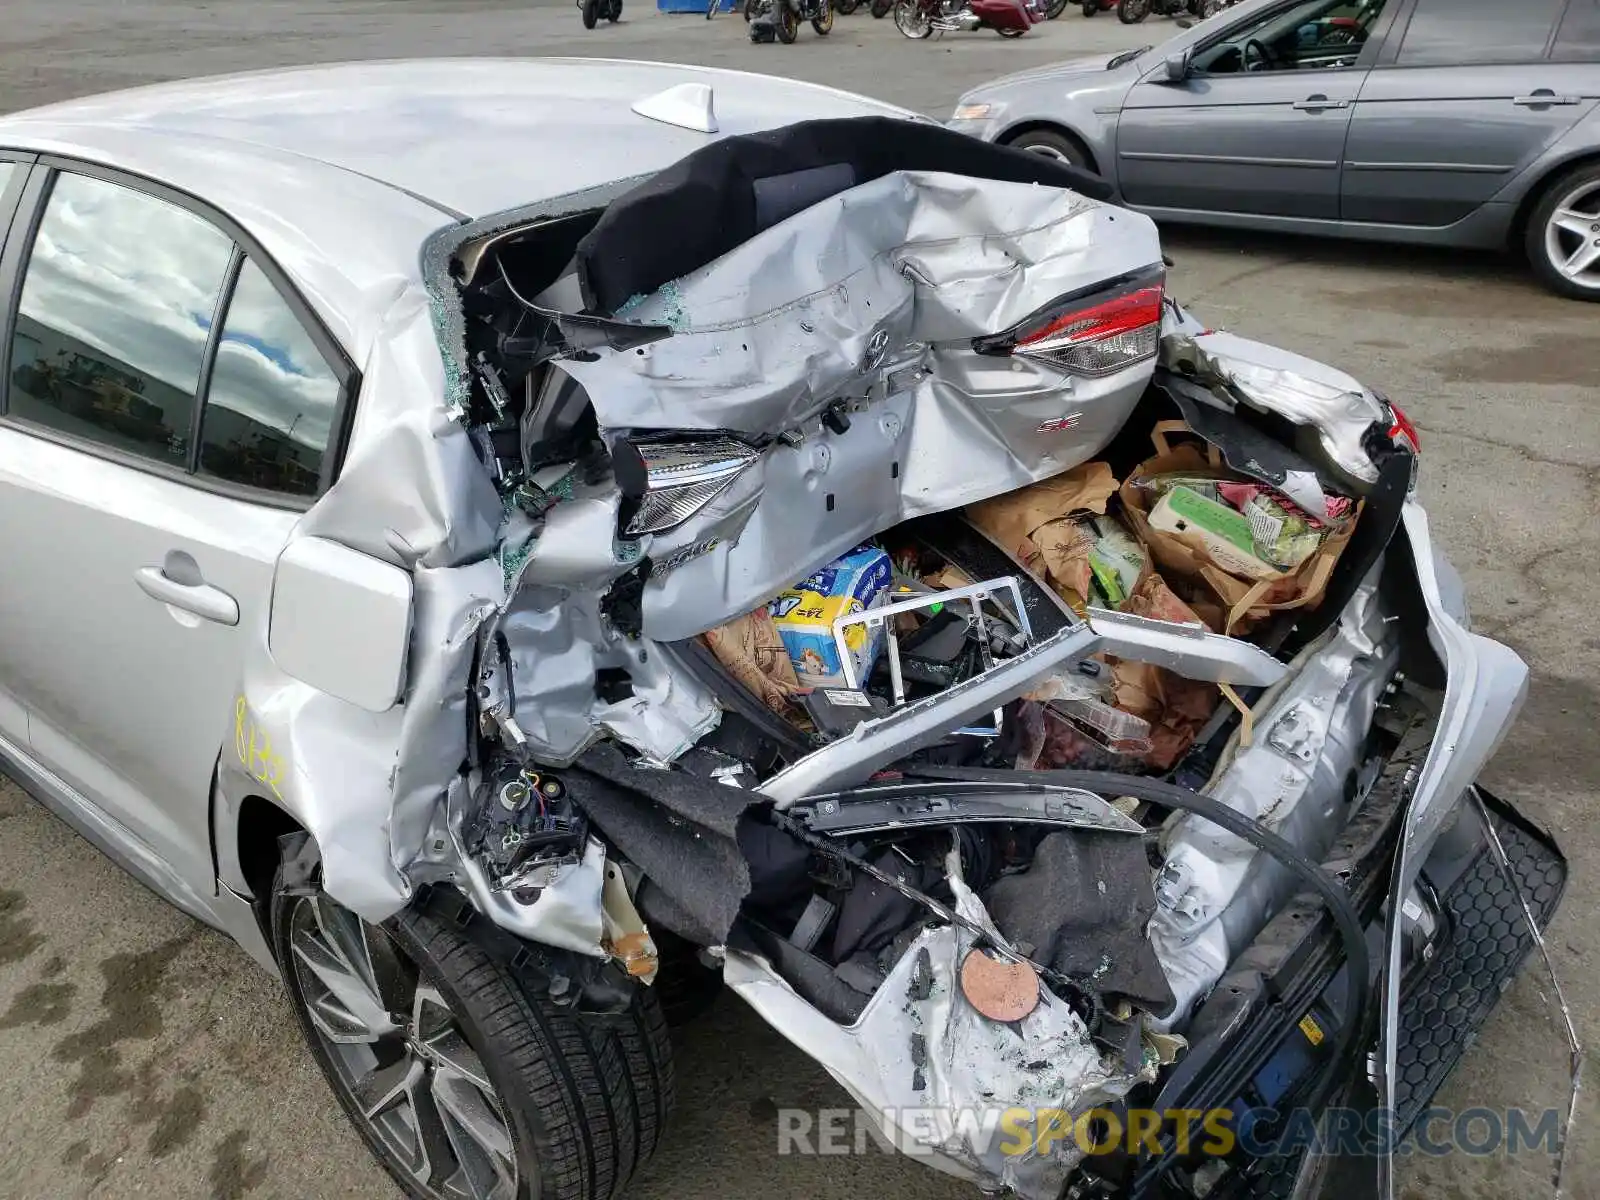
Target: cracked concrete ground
(147, 1056)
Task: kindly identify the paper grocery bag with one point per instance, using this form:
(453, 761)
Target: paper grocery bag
(1035, 524)
(754, 653)
(1239, 602)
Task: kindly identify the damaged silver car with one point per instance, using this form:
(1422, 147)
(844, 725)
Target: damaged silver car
(524, 545)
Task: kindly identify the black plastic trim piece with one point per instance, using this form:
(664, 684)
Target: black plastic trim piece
(208, 360)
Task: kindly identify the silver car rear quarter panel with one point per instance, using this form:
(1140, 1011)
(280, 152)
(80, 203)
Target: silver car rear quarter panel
(412, 492)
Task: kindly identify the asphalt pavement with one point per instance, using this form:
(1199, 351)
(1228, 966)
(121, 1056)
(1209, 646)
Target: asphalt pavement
(145, 1056)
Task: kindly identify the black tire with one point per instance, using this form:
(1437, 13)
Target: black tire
(1131, 12)
(1582, 183)
(750, 7)
(591, 13)
(711, 8)
(881, 8)
(845, 7)
(615, 14)
(1052, 143)
(1054, 8)
(586, 1099)
(684, 985)
(788, 23)
(1090, 7)
(1011, 33)
(823, 21)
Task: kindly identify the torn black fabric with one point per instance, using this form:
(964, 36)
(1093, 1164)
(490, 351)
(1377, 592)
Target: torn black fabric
(683, 830)
(721, 196)
(1083, 905)
(873, 913)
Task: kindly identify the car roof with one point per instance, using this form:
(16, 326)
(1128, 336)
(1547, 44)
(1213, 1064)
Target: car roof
(470, 135)
(342, 171)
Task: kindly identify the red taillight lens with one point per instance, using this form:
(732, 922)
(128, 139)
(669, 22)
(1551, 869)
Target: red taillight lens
(1122, 315)
(1403, 430)
(1092, 335)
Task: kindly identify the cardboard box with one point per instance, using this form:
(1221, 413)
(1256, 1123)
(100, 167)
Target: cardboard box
(804, 617)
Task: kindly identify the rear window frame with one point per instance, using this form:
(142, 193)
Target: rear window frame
(37, 184)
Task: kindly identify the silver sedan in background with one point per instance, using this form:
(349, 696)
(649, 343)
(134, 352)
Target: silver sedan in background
(1470, 123)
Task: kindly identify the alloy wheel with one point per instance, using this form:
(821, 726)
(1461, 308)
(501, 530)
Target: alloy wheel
(399, 1052)
(1572, 235)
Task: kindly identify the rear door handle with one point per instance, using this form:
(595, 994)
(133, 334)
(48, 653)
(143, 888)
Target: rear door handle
(200, 598)
(1318, 103)
(1543, 97)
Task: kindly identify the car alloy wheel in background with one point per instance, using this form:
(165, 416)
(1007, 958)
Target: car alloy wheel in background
(1047, 143)
(1564, 235)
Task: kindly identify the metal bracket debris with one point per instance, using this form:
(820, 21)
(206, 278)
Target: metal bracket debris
(873, 744)
(974, 594)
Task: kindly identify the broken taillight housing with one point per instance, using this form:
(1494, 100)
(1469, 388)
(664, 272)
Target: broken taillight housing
(1402, 430)
(667, 481)
(1091, 333)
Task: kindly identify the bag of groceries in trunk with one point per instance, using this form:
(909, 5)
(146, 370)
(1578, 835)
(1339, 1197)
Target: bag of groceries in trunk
(1242, 549)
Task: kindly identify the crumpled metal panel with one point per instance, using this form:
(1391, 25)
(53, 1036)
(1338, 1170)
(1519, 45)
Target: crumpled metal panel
(869, 299)
(1215, 890)
(816, 501)
(558, 641)
(1339, 407)
(929, 1069)
(772, 331)
(412, 493)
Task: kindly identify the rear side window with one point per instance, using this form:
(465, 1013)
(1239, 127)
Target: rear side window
(117, 304)
(1578, 39)
(270, 408)
(1448, 32)
(7, 170)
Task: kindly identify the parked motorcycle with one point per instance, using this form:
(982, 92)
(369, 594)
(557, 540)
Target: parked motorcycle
(1008, 18)
(845, 7)
(595, 11)
(1131, 12)
(1090, 7)
(782, 18)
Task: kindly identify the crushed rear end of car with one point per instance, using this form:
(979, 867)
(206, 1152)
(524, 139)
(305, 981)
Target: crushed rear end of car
(1051, 714)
